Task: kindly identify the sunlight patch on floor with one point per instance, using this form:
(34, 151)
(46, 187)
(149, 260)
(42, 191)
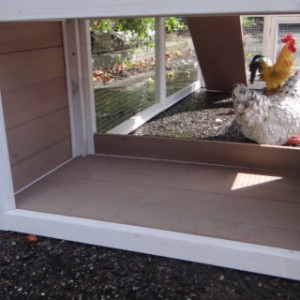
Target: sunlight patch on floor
(243, 180)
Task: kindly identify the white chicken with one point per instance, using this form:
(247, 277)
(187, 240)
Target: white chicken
(273, 120)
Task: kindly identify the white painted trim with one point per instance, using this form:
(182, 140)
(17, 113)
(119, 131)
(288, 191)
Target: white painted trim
(137, 120)
(88, 89)
(201, 249)
(66, 30)
(267, 36)
(80, 94)
(70, 9)
(273, 38)
(7, 199)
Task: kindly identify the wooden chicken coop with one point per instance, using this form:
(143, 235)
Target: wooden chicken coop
(226, 204)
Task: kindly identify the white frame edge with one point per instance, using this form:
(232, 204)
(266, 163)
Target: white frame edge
(225, 253)
(15, 10)
(7, 198)
(77, 50)
(87, 84)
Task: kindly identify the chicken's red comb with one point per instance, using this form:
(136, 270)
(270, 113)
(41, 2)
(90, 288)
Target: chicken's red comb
(287, 38)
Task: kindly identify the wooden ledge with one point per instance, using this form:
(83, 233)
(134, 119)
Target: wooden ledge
(243, 155)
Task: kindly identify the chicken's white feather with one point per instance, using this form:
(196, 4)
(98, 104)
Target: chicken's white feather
(269, 119)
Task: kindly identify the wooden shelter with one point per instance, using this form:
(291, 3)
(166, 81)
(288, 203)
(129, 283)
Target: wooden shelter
(226, 204)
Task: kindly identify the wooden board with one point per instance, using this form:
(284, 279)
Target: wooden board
(38, 134)
(252, 156)
(22, 69)
(21, 36)
(230, 203)
(34, 96)
(31, 102)
(44, 161)
(219, 47)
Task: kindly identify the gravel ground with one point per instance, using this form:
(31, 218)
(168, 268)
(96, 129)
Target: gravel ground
(203, 115)
(58, 269)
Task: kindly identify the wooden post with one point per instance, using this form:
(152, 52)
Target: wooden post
(219, 47)
(81, 99)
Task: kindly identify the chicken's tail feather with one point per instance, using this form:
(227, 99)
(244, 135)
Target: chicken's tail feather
(255, 66)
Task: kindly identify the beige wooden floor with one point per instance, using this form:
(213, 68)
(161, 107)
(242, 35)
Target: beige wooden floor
(230, 203)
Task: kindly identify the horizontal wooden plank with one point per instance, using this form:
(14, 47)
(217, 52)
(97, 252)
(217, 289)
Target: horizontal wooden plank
(20, 36)
(256, 184)
(21, 69)
(196, 187)
(207, 152)
(151, 195)
(33, 167)
(31, 102)
(55, 9)
(38, 134)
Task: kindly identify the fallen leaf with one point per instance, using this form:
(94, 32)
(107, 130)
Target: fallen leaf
(32, 238)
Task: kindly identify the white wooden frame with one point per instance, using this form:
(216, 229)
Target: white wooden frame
(7, 199)
(16, 10)
(219, 252)
(249, 257)
(77, 49)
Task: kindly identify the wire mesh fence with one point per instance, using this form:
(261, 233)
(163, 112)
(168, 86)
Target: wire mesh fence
(182, 67)
(124, 74)
(253, 28)
(124, 79)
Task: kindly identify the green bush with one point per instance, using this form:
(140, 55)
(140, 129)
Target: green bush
(141, 29)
